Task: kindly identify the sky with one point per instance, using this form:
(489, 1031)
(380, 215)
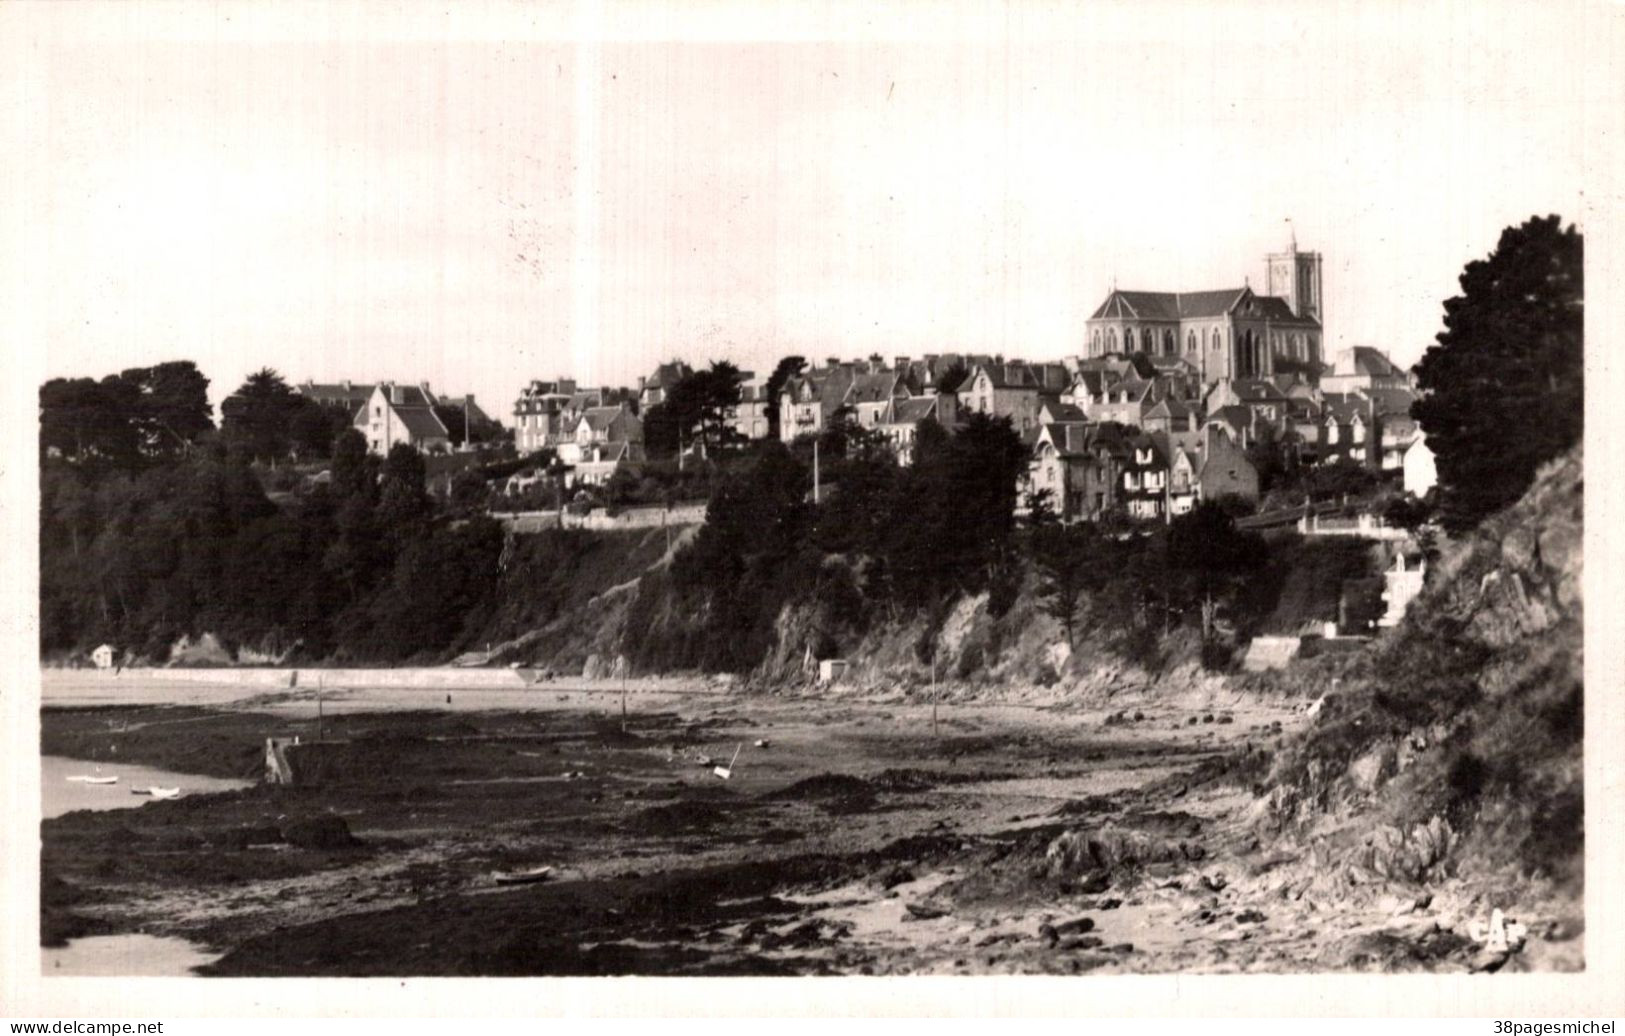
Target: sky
(479, 195)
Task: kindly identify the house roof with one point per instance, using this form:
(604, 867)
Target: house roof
(1093, 381)
(351, 394)
(667, 374)
(833, 384)
(1170, 407)
(1394, 401)
(600, 418)
(618, 451)
(910, 411)
(1257, 390)
(1365, 359)
(1135, 388)
(1071, 438)
(1006, 375)
(1156, 442)
(874, 387)
(1059, 413)
(1237, 417)
(408, 396)
(1051, 377)
(421, 422)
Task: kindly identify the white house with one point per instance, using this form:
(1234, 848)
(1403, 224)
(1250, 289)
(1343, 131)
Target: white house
(102, 657)
(401, 414)
(1421, 473)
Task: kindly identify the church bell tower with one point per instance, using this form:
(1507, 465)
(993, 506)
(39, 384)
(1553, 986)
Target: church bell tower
(1295, 277)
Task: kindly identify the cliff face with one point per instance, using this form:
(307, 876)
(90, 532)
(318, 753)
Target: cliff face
(1453, 750)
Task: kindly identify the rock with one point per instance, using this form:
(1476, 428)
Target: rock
(320, 833)
(1076, 926)
(1086, 942)
(1488, 960)
(922, 912)
(1368, 771)
(1214, 882)
(1563, 929)
(1097, 882)
(1047, 934)
(1250, 917)
(895, 876)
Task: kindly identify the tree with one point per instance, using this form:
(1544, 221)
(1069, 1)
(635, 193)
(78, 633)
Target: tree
(313, 428)
(787, 368)
(171, 406)
(1041, 509)
(1205, 539)
(1503, 389)
(701, 403)
(403, 496)
(82, 419)
(660, 432)
(469, 491)
(352, 473)
(1061, 555)
(952, 377)
(259, 415)
(1406, 512)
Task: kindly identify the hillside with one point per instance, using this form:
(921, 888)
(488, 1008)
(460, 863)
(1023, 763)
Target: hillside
(1449, 759)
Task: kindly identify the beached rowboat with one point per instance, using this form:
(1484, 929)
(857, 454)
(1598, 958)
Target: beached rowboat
(94, 780)
(521, 877)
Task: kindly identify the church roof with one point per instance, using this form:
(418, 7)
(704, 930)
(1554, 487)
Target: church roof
(1196, 305)
(1168, 305)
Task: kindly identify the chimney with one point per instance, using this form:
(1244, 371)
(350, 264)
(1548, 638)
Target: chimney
(347, 386)
(428, 397)
(395, 393)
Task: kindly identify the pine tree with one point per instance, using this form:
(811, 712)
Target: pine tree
(1504, 387)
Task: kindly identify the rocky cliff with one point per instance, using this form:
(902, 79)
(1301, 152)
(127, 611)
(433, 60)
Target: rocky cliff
(1448, 758)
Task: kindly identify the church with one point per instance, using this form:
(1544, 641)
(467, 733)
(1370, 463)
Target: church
(1233, 333)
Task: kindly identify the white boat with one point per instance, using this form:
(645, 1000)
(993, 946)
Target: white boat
(94, 780)
(157, 792)
(522, 877)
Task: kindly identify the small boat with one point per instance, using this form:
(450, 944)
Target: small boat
(94, 780)
(157, 792)
(523, 877)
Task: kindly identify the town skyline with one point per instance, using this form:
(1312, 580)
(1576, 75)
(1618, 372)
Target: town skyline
(481, 211)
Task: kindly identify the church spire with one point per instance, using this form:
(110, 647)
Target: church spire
(1292, 230)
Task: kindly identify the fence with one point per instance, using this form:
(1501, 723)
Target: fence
(599, 520)
(1366, 526)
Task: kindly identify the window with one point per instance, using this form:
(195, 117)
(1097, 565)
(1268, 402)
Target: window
(1167, 341)
(1128, 339)
(1111, 340)
(1190, 342)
